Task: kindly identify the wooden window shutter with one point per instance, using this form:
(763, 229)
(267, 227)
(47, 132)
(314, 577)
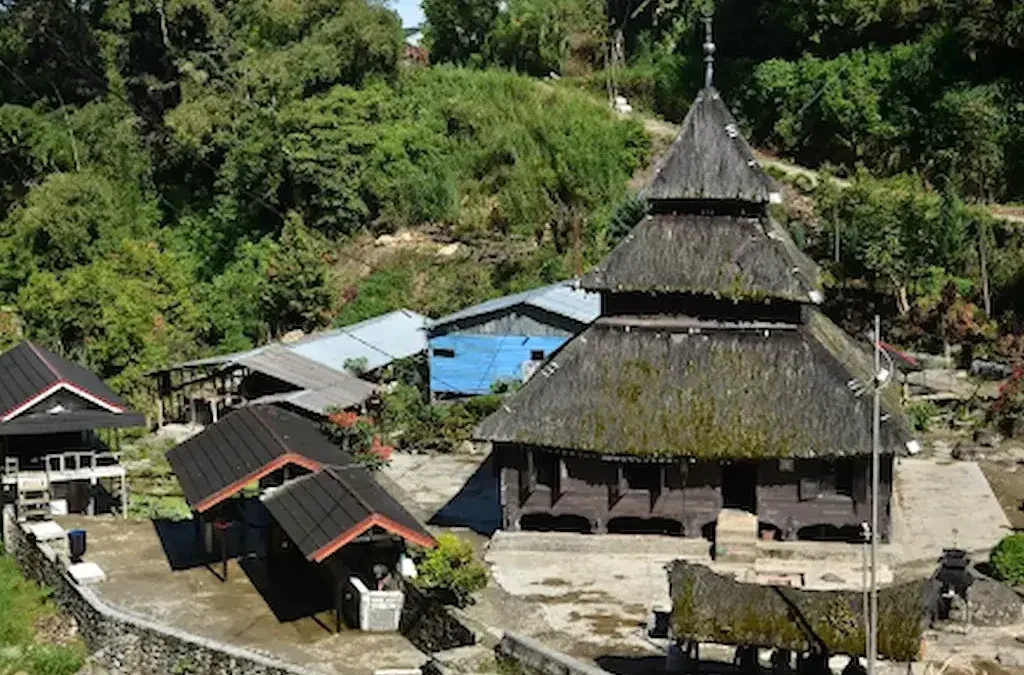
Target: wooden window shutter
(810, 488)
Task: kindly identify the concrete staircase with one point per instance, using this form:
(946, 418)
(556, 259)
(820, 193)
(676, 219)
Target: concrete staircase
(33, 497)
(736, 537)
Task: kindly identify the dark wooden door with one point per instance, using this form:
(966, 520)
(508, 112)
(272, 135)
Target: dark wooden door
(739, 486)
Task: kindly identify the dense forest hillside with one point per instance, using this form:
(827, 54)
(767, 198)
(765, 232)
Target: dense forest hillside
(184, 176)
(187, 176)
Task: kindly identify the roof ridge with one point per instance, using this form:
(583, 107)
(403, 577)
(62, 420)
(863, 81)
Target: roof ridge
(49, 366)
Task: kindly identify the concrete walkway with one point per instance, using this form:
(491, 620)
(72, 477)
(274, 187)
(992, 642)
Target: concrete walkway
(940, 504)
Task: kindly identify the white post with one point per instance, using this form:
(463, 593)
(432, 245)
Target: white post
(90, 507)
(875, 433)
(124, 497)
(213, 411)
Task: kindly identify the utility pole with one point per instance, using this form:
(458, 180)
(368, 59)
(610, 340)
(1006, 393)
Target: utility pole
(875, 433)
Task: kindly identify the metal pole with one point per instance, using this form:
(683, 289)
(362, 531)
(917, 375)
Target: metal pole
(875, 433)
(865, 602)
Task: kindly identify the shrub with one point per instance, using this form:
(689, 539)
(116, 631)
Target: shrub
(1008, 559)
(451, 572)
(921, 414)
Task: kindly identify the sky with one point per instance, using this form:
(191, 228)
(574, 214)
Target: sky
(410, 12)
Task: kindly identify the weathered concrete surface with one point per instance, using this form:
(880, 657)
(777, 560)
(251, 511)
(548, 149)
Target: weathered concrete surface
(450, 490)
(599, 601)
(936, 498)
(140, 580)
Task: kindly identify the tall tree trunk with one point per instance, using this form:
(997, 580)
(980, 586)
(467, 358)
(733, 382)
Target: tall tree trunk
(984, 275)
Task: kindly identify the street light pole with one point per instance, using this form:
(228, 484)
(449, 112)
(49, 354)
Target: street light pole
(875, 433)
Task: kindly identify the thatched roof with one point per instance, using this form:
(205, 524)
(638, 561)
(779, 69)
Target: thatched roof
(669, 386)
(710, 607)
(732, 257)
(710, 159)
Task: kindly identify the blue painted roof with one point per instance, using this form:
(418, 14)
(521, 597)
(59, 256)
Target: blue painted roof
(379, 340)
(562, 298)
(481, 360)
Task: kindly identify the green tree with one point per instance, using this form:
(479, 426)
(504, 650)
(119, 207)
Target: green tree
(121, 315)
(70, 219)
(297, 293)
(457, 30)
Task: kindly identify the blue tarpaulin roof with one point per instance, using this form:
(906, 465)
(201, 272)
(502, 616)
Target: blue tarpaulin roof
(562, 298)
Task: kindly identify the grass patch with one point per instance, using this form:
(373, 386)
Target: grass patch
(153, 489)
(34, 639)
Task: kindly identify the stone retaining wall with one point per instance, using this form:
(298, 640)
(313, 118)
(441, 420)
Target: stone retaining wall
(126, 644)
(533, 658)
(430, 626)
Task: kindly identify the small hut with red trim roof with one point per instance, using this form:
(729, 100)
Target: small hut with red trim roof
(50, 412)
(326, 512)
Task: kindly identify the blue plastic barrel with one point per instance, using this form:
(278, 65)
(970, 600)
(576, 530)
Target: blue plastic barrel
(76, 544)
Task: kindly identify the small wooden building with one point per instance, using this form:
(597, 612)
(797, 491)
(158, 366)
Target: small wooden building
(50, 412)
(330, 520)
(711, 379)
(505, 339)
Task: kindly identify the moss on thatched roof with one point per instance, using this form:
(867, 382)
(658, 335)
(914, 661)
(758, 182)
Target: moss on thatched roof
(734, 257)
(709, 607)
(710, 159)
(711, 393)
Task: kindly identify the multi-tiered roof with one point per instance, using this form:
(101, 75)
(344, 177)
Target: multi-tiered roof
(710, 343)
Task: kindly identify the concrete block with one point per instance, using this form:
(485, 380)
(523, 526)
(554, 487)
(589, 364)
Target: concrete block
(86, 573)
(46, 530)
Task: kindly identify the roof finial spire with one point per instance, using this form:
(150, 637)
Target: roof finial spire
(709, 54)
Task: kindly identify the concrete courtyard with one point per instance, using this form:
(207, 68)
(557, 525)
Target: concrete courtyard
(597, 592)
(246, 611)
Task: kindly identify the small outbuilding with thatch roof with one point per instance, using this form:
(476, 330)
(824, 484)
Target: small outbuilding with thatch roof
(708, 607)
(710, 380)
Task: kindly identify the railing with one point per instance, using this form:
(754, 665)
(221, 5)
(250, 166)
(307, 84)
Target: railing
(64, 462)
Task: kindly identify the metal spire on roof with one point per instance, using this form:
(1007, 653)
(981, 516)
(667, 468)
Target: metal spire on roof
(709, 55)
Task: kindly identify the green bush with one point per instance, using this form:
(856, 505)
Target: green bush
(921, 414)
(451, 572)
(1008, 559)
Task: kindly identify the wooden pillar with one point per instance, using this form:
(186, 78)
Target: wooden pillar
(213, 410)
(617, 487)
(527, 479)
(556, 487)
(656, 490)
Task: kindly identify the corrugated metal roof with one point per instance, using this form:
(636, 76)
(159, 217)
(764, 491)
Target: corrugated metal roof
(282, 364)
(562, 298)
(379, 340)
(222, 359)
(321, 401)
